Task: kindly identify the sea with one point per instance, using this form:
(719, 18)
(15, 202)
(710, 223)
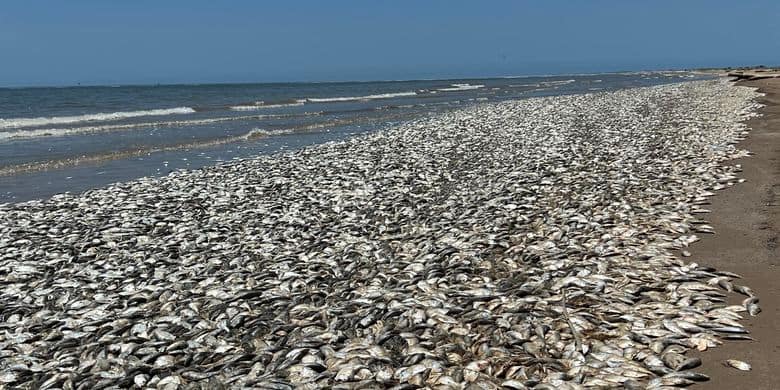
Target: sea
(72, 139)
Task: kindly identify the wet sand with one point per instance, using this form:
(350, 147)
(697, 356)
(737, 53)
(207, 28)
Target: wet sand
(746, 220)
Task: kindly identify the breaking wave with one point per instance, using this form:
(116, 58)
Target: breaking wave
(357, 98)
(558, 82)
(14, 123)
(262, 133)
(260, 105)
(60, 132)
(461, 87)
(37, 166)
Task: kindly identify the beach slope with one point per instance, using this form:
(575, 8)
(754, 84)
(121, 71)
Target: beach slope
(746, 222)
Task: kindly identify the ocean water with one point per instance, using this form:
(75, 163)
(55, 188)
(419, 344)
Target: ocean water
(55, 140)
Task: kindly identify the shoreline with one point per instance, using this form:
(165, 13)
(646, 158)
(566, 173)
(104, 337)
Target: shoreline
(746, 219)
(508, 244)
(54, 150)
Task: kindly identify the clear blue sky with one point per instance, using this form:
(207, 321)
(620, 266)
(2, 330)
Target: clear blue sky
(169, 41)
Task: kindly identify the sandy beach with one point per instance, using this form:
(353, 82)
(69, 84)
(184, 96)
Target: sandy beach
(522, 244)
(746, 219)
(395, 195)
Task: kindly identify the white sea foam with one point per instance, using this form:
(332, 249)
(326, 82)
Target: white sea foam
(245, 108)
(59, 132)
(261, 133)
(558, 82)
(260, 105)
(356, 98)
(14, 123)
(461, 87)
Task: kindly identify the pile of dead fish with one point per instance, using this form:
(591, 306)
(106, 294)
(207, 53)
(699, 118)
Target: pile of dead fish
(524, 244)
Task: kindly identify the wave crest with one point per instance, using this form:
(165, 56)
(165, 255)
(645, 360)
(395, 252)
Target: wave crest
(461, 87)
(14, 123)
(61, 132)
(357, 98)
(260, 105)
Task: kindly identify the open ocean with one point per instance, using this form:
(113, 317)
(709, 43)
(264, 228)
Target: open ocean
(55, 140)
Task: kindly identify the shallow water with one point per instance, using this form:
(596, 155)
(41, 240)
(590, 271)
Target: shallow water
(54, 140)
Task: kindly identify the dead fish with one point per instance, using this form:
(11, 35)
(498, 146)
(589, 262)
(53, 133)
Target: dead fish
(730, 329)
(524, 244)
(744, 290)
(738, 364)
(751, 304)
(694, 376)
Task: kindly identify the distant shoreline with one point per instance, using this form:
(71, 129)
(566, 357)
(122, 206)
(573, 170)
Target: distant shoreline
(743, 73)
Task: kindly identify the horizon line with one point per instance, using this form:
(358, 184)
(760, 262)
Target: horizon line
(100, 85)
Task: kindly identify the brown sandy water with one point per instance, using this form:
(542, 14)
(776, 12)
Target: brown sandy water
(746, 218)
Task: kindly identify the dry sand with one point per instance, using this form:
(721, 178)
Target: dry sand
(746, 222)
